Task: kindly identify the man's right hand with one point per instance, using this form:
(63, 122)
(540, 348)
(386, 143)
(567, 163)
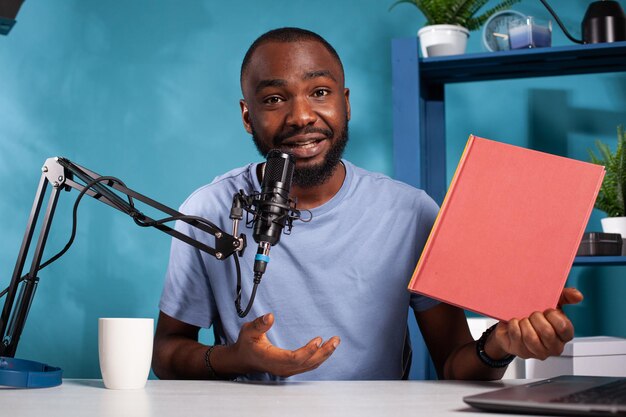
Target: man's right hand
(253, 353)
(178, 355)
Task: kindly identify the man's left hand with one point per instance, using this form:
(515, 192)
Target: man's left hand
(539, 336)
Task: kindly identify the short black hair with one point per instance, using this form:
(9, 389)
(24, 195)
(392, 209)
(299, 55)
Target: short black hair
(286, 35)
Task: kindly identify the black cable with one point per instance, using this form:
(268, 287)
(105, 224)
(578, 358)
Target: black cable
(291, 215)
(136, 215)
(561, 25)
(74, 225)
(140, 222)
(75, 217)
(138, 218)
(257, 280)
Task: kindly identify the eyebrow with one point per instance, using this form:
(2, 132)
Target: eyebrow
(319, 73)
(279, 82)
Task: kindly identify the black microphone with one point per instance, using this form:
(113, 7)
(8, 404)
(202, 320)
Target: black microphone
(273, 207)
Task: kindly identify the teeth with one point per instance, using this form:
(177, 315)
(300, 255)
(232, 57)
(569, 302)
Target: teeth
(308, 144)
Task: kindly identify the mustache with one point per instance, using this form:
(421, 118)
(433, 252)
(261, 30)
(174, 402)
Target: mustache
(280, 138)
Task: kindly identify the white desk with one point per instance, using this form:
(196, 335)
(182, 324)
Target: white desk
(89, 398)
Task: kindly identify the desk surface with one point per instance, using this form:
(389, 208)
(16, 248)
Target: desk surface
(208, 398)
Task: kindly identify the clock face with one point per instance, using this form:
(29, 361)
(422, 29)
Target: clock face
(496, 29)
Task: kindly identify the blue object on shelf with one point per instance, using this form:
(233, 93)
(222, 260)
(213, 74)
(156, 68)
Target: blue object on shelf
(530, 33)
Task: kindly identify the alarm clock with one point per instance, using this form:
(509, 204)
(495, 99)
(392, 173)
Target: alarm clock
(496, 29)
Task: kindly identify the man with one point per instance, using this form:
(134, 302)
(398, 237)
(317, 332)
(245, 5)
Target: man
(333, 303)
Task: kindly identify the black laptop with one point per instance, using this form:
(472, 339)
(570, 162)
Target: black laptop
(563, 395)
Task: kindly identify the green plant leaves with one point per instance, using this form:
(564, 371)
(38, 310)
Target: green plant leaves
(456, 12)
(611, 196)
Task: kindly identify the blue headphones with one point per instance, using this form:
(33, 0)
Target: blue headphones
(28, 374)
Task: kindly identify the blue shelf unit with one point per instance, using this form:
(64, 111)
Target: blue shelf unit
(419, 101)
(418, 94)
(599, 260)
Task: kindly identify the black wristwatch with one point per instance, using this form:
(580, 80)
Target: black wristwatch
(482, 355)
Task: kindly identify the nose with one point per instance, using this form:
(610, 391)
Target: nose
(301, 113)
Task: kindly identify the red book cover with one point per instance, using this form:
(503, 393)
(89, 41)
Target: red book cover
(508, 230)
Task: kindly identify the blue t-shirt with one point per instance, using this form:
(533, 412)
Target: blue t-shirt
(344, 273)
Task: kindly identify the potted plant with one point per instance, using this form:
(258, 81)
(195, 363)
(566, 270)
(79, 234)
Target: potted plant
(611, 196)
(449, 22)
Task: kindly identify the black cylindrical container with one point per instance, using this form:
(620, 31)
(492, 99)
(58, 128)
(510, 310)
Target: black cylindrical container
(604, 21)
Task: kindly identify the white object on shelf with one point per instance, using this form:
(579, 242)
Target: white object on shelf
(614, 225)
(441, 40)
(598, 355)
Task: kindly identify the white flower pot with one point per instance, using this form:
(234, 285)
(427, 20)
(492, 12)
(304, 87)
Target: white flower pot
(614, 225)
(440, 40)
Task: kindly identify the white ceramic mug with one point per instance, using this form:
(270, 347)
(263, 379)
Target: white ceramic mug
(125, 351)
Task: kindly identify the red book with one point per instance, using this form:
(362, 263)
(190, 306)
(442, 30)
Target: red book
(508, 230)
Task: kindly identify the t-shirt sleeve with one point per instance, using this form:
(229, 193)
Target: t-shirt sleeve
(187, 295)
(427, 216)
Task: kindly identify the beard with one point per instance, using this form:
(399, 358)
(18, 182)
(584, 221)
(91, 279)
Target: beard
(315, 175)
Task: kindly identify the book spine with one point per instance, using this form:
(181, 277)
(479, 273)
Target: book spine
(442, 210)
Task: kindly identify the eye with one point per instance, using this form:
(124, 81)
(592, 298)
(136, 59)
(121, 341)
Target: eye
(321, 92)
(272, 100)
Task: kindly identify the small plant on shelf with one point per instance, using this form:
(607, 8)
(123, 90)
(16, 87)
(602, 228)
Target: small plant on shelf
(449, 22)
(456, 12)
(611, 196)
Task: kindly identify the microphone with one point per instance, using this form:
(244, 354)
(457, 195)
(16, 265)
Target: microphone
(273, 207)
(272, 210)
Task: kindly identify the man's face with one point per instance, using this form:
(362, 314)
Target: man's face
(295, 100)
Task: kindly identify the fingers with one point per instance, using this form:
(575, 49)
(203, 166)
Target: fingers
(570, 296)
(310, 356)
(561, 324)
(324, 352)
(543, 340)
(257, 354)
(516, 345)
(259, 326)
(540, 335)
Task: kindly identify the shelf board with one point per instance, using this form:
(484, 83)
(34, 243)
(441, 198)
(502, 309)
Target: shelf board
(599, 260)
(525, 63)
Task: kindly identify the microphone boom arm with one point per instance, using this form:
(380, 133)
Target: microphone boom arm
(62, 175)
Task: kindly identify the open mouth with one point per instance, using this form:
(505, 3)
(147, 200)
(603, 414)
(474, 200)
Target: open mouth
(305, 148)
(304, 144)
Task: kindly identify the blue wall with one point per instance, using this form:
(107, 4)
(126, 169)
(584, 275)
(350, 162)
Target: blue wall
(147, 90)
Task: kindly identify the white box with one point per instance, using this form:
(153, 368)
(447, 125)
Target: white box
(599, 355)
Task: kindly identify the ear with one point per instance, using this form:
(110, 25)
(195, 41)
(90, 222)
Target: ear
(245, 116)
(346, 94)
